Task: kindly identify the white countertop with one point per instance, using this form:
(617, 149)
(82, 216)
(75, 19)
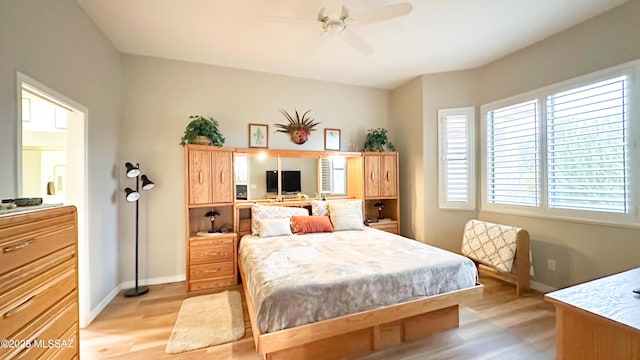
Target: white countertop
(27, 208)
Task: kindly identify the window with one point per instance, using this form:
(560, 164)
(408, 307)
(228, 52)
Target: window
(512, 155)
(587, 155)
(457, 163)
(564, 151)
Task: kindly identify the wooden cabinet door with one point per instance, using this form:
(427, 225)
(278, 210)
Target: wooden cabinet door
(222, 177)
(200, 190)
(388, 179)
(372, 176)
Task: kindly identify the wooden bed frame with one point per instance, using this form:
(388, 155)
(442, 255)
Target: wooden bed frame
(362, 332)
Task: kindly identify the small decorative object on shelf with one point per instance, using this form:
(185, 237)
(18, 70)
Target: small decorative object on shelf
(377, 140)
(213, 215)
(303, 197)
(299, 127)
(322, 196)
(380, 206)
(202, 131)
(133, 171)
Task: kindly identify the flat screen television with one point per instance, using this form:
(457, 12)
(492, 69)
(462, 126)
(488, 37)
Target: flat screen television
(290, 181)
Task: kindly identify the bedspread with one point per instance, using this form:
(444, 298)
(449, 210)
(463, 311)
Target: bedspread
(299, 279)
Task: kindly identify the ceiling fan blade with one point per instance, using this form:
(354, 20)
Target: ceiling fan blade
(356, 42)
(382, 13)
(291, 20)
(333, 8)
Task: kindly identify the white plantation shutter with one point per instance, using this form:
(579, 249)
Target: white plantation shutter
(326, 176)
(587, 155)
(512, 155)
(457, 164)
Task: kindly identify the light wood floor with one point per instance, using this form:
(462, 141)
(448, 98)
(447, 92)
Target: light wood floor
(500, 326)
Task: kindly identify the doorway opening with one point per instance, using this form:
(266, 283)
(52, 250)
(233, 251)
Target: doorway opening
(52, 161)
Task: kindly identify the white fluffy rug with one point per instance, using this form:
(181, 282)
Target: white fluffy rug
(206, 321)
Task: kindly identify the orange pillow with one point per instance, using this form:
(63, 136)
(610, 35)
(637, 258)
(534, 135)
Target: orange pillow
(311, 224)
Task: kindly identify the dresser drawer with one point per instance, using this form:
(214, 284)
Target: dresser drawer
(67, 347)
(51, 325)
(25, 302)
(206, 271)
(25, 243)
(22, 274)
(210, 253)
(388, 226)
(213, 283)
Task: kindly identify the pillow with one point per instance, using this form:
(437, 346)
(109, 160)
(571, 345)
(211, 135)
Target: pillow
(346, 215)
(311, 224)
(260, 212)
(274, 227)
(319, 208)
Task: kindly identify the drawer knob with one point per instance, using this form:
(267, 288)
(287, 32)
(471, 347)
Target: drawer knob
(25, 304)
(17, 247)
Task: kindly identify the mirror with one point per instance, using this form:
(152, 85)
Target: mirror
(256, 176)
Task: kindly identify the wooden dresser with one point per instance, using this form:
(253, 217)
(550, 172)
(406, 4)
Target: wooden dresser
(211, 260)
(39, 284)
(598, 319)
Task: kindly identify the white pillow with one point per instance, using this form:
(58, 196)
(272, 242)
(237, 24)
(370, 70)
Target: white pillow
(274, 227)
(319, 208)
(346, 215)
(260, 212)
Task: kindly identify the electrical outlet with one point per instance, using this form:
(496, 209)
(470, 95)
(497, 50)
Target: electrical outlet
(551, 264)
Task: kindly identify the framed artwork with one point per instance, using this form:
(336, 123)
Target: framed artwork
(332, 139)
(258, 135)
(26, 109)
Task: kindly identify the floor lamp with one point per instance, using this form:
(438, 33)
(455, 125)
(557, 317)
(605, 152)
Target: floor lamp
(133, 171)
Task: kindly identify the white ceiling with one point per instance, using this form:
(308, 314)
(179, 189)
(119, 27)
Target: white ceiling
(437, 36)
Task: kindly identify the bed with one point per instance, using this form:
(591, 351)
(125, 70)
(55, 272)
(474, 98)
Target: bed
(347, 293)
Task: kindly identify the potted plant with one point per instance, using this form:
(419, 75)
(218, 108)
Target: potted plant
(377, 141)
(203, 131)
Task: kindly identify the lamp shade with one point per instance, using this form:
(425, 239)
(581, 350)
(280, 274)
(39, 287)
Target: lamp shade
(132, 170)
(212, 213)
(132, 195)
(146, 183)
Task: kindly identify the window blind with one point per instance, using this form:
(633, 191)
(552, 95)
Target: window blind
(587, 156)
(512, 155)
(455, 133)
(456, 159)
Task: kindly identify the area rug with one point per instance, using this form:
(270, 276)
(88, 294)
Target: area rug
(207, 320)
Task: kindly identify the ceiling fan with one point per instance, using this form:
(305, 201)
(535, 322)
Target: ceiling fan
(336, 20)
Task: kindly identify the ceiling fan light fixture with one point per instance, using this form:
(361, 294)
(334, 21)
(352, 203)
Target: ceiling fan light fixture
(334, 26)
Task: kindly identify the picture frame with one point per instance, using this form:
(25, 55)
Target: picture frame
(258, 136)
(332, 139)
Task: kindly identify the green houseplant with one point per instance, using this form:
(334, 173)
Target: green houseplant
(201, 126)
(377, 140)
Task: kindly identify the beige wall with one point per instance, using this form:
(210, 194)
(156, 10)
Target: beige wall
(55, 43)
(158, 97)
(581, 251)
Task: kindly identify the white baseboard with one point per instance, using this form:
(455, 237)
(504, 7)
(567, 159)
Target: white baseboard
(153, 281)
(543, 288)
(93, 313)
(126, 285)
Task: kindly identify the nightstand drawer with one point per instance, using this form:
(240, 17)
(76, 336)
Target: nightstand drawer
(211, 253)
(207, 271)
(212, 284)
